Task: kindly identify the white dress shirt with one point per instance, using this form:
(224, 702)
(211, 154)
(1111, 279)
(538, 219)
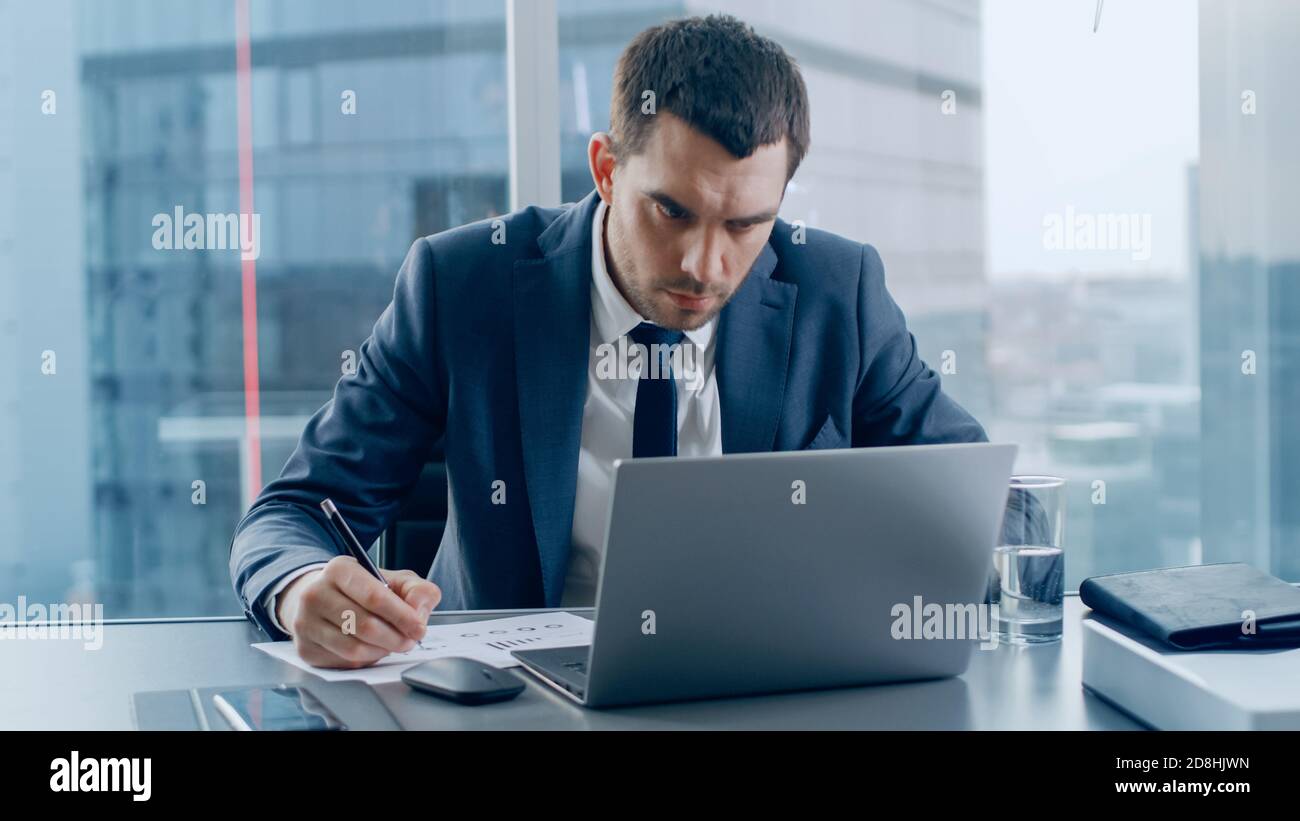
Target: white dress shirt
(608, 413)
(607, 417)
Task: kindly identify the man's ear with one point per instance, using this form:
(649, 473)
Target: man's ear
(600, 157)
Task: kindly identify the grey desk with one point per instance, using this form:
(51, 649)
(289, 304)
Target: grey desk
(57, 684)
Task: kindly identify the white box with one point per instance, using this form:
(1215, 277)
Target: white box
(1191, 690)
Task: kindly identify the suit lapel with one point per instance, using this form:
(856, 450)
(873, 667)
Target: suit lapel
(552, 318)
(754, 330)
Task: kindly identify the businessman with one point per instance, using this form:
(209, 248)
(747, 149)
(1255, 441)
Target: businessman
(496, 338)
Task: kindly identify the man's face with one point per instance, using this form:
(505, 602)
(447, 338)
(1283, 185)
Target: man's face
(686, 220)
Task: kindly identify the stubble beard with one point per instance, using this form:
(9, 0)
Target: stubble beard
(623, 272)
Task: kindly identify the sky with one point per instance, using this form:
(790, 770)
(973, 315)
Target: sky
(1105, 122)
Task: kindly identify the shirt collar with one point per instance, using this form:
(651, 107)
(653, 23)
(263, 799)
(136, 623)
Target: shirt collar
(613, 315)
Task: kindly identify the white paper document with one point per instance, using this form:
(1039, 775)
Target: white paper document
(488, 641)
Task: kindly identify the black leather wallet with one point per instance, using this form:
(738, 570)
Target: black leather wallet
(1201, 607)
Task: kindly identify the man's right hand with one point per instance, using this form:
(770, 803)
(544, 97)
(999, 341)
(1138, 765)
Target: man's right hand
(341, 616)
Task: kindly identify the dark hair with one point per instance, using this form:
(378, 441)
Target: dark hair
(719, 76)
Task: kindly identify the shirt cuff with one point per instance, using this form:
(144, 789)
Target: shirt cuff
(268, 598)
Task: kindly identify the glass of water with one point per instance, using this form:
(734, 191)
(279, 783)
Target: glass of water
(1029, 561)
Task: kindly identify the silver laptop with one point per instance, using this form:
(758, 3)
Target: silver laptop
(756, 573)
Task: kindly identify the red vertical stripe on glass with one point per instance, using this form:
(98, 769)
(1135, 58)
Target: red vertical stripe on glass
(248, 272)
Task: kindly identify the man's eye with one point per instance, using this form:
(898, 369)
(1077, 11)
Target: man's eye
(670, 212)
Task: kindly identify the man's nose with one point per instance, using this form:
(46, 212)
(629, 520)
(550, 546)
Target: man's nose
(704, 260)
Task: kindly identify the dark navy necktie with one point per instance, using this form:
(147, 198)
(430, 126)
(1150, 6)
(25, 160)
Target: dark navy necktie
(654, 424)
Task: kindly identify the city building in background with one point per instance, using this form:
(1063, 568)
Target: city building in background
(46, 501)
(372, 124)
(1250, 284)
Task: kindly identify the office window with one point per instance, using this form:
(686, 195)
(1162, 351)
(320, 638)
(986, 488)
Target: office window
(1091, 313)
(1249, 283)
(1089, 232)
(126, 468)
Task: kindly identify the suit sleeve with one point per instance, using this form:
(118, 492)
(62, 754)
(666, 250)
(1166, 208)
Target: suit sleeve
(364, 449)
(898, 399)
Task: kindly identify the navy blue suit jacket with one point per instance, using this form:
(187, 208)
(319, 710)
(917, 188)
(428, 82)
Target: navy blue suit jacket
(488, 344)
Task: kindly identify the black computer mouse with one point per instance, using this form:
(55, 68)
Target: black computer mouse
(463, 680)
